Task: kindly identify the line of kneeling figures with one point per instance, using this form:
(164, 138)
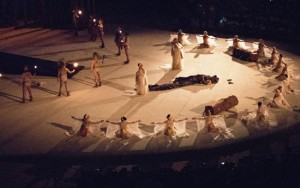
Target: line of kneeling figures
(172, 128)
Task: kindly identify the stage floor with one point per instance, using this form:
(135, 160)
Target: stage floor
(40, 127)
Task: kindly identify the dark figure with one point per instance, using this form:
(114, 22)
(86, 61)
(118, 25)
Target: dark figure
(119, 40)
(126, 47)
(26, 84)
(92, 28)
(75, 21)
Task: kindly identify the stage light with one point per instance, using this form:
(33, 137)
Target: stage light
(79, 12)
(94, 20)
(35, 66)
(75, 64)
(0, 75)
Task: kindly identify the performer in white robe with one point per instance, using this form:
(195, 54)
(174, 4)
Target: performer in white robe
(141, 81)
(177, 55)
(279, 100)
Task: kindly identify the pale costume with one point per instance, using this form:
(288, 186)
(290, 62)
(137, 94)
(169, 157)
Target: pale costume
(279, 100)
(181, 37)
(205, 40)
(261, 48)
(86, 126)
(216, 125)
(171, 128)
(236, 42)
(95, 69)
(259, 118)
(177, 55)
(101, 32)
(274, 57)
(26, 84)
(122, 129)
(62, 77)
(141, 81)
(280, 65)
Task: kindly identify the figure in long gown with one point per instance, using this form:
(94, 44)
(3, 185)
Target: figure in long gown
(177, 55)
(141, 80)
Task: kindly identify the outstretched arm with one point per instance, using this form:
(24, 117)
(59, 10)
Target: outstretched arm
(76, 118)
(112, 122)
(96, 122)
(132, 122)
(178, 120)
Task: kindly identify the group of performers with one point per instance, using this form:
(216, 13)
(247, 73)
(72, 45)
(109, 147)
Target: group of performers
(141, 87)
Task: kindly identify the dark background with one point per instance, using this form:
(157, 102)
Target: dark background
(268, 19)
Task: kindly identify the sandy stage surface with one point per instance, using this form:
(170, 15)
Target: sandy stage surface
(39, 127)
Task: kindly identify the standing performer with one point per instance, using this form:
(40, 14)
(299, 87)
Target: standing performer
(261, 48)
(75, 21)
(280, 65)
(205, 40)
(95, 69)
(180, 37)
(236, 42)
(26, 84)
(141, 81)
(101, 32)
(126, 47)
(177, 55)
(62, 76)
(92, 28)
(119, 40)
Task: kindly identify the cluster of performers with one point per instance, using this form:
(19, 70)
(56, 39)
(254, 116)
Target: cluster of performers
(172, 128)
(122, 130)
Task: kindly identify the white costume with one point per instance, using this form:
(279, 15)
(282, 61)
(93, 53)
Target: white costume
(177, 55)
(141, 81)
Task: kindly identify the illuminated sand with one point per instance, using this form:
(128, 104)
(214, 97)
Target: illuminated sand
(39, 127)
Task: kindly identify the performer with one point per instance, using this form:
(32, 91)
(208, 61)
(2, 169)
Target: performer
(279, 100)
(280, 65)
(261, 48)
(177, 55)
(119, 40)
(180, 37)
(284, 72)
(141, 80)
(62, 76)
(261, 113)
(101, 32)
(26, 84)
(210, 124)
(92, 28)
(274, 57)
(124, 133)
(236, 42)
(205, 40)
(126, 47)
(170, 129)
(85, 128)
(95, 69)
(75, 22)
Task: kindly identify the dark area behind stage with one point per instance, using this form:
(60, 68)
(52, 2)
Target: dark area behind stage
(276, 20)
(269, 19)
